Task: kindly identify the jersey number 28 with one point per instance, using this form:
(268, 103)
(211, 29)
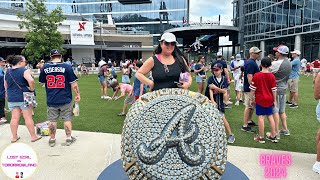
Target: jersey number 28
(55, 81)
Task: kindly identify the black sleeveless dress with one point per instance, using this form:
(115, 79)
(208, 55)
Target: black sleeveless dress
(163, 79)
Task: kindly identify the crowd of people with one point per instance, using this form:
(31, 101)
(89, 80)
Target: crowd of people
(260, 84)
(17, 86)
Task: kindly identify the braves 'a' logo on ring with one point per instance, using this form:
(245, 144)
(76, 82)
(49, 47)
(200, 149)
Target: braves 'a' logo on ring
(179, 132)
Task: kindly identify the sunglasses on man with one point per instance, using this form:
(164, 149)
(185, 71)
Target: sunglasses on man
(169, 43)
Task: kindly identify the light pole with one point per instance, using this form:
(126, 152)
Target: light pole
(101, 38)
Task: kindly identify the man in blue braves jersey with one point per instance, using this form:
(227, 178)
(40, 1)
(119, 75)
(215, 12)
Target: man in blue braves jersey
(59, 78)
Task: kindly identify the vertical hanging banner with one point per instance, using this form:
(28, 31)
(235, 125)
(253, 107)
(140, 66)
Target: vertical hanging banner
(82, 33)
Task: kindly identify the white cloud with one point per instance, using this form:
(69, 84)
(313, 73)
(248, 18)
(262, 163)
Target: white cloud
(210, 11)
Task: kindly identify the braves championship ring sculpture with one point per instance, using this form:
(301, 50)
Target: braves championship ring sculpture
(174, 134)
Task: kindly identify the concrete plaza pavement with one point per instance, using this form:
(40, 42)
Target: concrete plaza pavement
(93, 152)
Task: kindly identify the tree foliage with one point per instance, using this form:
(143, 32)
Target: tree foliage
(42, 26)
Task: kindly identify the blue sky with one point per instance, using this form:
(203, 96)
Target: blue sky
(210, 10)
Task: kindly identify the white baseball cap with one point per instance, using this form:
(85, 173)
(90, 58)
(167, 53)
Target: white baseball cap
(296, 52)
(219, 54)
(282, 49)
(255, 50)
(238, 56)
(168, 37)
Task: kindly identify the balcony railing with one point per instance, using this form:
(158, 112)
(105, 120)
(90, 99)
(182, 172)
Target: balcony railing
(122, 32)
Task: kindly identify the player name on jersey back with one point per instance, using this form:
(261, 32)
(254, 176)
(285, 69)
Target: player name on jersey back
(54, 69)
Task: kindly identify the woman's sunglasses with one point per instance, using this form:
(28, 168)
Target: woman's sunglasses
(169, 43)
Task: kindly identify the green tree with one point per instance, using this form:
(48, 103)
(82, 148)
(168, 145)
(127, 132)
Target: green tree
(42, 26)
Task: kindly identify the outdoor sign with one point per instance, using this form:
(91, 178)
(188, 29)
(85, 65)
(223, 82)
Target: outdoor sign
(82, 33)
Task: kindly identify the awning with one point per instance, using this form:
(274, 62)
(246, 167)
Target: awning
(205, 37)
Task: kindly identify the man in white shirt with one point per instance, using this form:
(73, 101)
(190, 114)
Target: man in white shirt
(238, 83)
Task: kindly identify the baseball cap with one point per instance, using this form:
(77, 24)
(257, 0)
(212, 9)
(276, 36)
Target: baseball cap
(276, 48)
(216, 66)
(282, 49)
(168, 37)
(55, 52)
(255, 50)
(238, 56)
(296, 52)
(232, 57)
(219, 54)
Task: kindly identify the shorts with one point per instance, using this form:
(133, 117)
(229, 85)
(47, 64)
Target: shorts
(125, 79)
(308, 70)
(101, 79)
(318, 111)
(293, 85)
(14, 105)
(199, 79)
(263, 111)
(192, 70)
(247, 100)
(64, 111)
(129, 100)
(316, 70)
(281, 104)
(239, 85)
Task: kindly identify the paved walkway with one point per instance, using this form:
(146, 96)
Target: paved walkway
(93, 152)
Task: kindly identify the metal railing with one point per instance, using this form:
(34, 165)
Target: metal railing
(122, 32)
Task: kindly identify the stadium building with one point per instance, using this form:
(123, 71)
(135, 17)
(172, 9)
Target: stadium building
(120, 28)
(268, 23)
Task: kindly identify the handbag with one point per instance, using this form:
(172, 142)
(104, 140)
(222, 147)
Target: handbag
(29, 99)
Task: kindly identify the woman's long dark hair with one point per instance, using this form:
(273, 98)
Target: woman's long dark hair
(199, 58)
(178, 55)
(14, 59)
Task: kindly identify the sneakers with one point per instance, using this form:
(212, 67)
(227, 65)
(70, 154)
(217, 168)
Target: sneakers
(226, 106)
(289, 103)
(277, 135)
(107, 97)
(293, 106)
(229, 103)
(52, 142)
(70, 141)
(251, 123)
(3, 120)
(259, 139)
(272, 139)
(247, 129)
(316, 167)
(237, 103)
(231, 139)
(285, 132)
(122, 114)
(102, 97)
